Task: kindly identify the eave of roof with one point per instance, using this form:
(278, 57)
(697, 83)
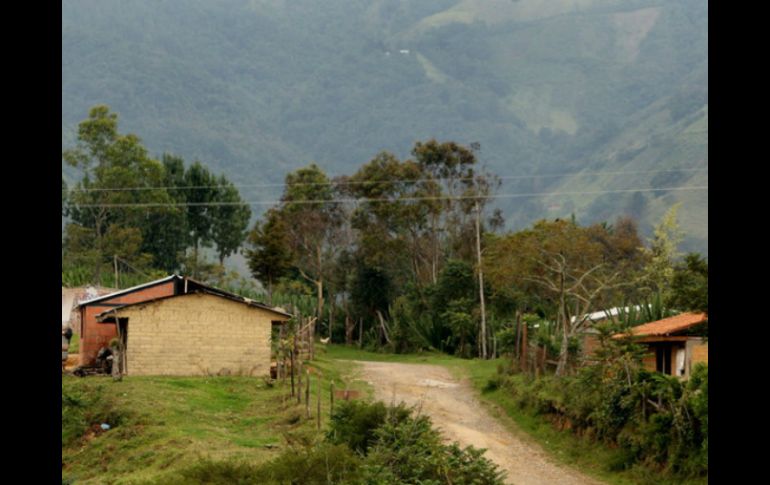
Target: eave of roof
(668, 326)
(222, 294)
(127, 290)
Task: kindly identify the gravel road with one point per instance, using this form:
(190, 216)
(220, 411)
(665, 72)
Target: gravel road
(454, 409)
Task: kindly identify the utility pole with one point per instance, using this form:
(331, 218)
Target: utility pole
(481, 283)
(115, 262)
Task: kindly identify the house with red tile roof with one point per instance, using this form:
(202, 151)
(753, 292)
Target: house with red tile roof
(674, 344)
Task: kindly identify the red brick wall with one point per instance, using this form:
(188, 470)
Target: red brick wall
(96, 335)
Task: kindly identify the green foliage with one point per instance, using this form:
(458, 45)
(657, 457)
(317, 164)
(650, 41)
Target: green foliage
(461, 80)
(370, 292)
(318, 465)
(690, 284)
(109, 160)
(269, 254)
(461, 323)
(63, 197)
(143, 226)
(401, 447)
(411, 451)
(85, 408)
(231, 219)
(656, 421)
(355, 423)
(662, 253)
(383, 445)
(214, 473)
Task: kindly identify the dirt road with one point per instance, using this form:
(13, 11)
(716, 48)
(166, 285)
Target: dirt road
(454, 409)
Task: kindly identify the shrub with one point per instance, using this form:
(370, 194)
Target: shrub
(411, 451)
(354, 423)
(368, 443)
(322, 464)
(656, 421)
(215, 473)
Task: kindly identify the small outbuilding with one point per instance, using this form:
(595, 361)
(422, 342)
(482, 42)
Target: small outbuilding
(178, 326)
(674, 345)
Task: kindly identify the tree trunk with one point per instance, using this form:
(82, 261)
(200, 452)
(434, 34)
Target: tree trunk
(517, 350)
(384, 327)
(360, 332)
(563, 354)
(524, 346)
(349, 327)
(332, 307)
(565, 326)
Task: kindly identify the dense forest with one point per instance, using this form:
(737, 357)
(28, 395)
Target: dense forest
(462, 177)
(593, 100)
(408, 255)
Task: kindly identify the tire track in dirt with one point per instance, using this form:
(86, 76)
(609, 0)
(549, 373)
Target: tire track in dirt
(454, 409)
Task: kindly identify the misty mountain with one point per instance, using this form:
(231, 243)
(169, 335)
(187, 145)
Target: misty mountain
(598, 99)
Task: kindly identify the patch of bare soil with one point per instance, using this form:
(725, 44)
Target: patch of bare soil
(454, 409)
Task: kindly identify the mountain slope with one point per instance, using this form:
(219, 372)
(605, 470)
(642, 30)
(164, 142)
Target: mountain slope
(258, 88)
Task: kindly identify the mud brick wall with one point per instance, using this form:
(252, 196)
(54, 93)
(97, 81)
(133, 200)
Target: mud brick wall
(198, 334)
(700, 353)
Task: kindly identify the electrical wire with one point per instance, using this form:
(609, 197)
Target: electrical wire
(401, 199)
(374, 182)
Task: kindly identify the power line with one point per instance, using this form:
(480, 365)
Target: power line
(401, 199)
(371, 182)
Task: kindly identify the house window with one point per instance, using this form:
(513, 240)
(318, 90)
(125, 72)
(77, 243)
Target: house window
(663, 359)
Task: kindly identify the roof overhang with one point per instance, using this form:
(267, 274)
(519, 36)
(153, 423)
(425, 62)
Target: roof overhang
(108, 316)
(110, 296)
(677, 325)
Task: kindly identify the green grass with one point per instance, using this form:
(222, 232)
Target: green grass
(162, 424)
(74, 347)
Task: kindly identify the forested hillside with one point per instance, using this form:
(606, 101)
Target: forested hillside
(256, 89)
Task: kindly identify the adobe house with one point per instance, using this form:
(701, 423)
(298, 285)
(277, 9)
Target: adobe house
(197, 332)
(95, 335)
(674, 345)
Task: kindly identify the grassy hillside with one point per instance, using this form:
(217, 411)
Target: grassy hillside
(162, 424)
(258, 88)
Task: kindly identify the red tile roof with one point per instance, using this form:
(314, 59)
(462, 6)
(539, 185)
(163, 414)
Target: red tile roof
(669, 325)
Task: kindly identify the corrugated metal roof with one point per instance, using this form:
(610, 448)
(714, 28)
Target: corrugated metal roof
(669, 325)
(602, 314)
(229, 296)
(128, 290)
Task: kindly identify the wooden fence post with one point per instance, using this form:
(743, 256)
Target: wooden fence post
(292, 372)
(307, 395)
(318, 401)
(299, 382)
